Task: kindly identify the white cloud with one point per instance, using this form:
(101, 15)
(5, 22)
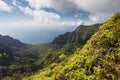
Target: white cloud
(98, 6)
(4, 6)
(40, 16)
(37, 4)
(92, 6)
(70, 23)
(59, 5)
(99, 10)
(99, 17)
(31, 24)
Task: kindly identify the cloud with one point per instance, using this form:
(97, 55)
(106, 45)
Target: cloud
(97, 18)
(37, 4)
(39, 15)
(98, 10)
(91, 6)
(98, 6)
(70, 23)
(59, 5)
(42, 16)
(4, 6)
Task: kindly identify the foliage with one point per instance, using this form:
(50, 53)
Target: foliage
(79, 36)
(95, 61)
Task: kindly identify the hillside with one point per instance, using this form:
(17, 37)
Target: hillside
(6, 58)
(34, 57)
(11, 43)
(47, 53)
(5, 55)
(12, 64)
(79, 36)
(99, 59)
(64, 45)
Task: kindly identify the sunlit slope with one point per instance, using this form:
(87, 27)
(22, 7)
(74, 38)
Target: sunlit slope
(97, 60)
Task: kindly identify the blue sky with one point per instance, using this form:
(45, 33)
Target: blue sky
(38, 21)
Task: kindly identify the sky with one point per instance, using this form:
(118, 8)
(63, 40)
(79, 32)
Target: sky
(39, 21)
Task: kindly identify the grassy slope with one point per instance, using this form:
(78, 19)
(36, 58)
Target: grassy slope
(97, 60)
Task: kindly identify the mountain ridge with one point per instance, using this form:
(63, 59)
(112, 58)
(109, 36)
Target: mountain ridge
(13, 44)
(79, 36)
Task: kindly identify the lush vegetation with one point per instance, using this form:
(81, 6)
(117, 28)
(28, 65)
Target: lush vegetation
(6, 58)
(79, 36)
(32, 58)
(99, 59)
(77, 55)
(65, 45)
